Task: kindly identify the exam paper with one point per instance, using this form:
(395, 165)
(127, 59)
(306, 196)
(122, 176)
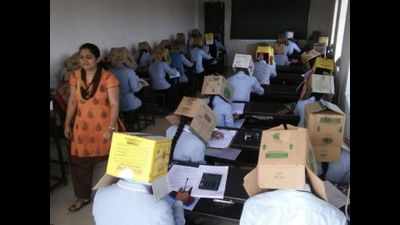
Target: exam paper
(223, 142)
(335, 197)
(238, 108)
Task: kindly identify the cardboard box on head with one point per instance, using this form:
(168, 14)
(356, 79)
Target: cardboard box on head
(217, 85)
(325, 123)
(204, 120)
(289, 34)
(243, 61)
(323, 84)
(307, 56)
(141, 159)
(285, 160)
(279, 49)
(209, 38)
(321, 48)
(324, 66)
(268, 53)
(324, 40)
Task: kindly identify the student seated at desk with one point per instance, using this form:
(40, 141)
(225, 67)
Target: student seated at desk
(197, 56)
(129, 84)
(264, 70)
(158, 71)
(243, 83)
(288, 207)
(144, 59)
(178, 60)
(165, 45)
(280, 49)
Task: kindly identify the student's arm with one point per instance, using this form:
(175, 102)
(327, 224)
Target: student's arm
(186, 62)
(273, 70)
(205, 55)
(229, 121)
(133, 80)
(169, 70)
(257, 88)
(296, 47)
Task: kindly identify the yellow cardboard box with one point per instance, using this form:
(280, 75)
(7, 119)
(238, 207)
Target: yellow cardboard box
(266, 50)
(209, 38)
(324, 64)
(141, 159)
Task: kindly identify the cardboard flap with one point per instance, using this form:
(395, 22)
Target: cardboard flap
(242, 61)
(104, 181)
(331, 107)
(173, 119)
(281, 176)
(317, 184)
(250, 183)
(204, 122)
(209, 38)
(189, 107)
(265, 49)
(307, 56)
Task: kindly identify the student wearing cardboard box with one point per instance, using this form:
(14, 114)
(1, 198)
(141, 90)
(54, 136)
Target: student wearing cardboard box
(193, 124)
(179, 61)
(285, 161)
(92, 116)
(265, 67)
(136, 191)
(243, 82)
(198, 55)
(220, 94)
(144, 58)
(130, 84)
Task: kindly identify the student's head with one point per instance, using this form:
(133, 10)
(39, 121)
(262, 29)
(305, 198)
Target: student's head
(178, 47)
(217, 36)
(282, 39)
(158, 54)
(262, 56)
(180, 37)
(165, 44)
(89, 56)
(144, 47)
(197, 42)
(72, 63)
(237, 70)
(120, 57)
(195, 33)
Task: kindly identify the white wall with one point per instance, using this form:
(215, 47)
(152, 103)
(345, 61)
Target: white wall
(320, 18)
(113, 23)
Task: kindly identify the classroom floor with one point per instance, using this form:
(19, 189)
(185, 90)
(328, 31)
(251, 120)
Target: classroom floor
(62, 196)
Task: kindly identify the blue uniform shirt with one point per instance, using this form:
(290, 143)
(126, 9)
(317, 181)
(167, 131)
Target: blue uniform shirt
(128, 85)
(243, 85)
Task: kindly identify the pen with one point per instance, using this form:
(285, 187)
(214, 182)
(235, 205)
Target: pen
(184, 187)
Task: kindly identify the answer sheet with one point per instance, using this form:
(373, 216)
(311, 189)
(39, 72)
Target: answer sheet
(223, 142)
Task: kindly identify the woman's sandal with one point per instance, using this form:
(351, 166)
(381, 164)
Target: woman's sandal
(79, 204)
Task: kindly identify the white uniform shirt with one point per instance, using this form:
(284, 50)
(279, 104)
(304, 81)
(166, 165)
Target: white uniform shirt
(289, 207)
(263, 71)
(291, 47)
(158, 71)
(189, 147)
(300, 107)
(223, 112)
(243, 85)
(126, 203)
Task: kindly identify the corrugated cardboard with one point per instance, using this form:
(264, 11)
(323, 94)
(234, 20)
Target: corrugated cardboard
(209, 38)
(204, 120)
(307, 56)
(141, 159)
(284, 172)
(322, 84)
(242, 61)
(217, 85)
(282, 158)
(324, 40)
(324, 63)
(325, 123)
(321, 48)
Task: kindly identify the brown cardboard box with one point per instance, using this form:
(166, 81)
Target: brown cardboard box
(325, 123)
(217, 85)
(291, 161)
(204, 119)
(324, 84)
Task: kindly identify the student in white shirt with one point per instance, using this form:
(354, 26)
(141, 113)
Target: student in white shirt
(288, 207)
(263, 71)
(159, 70)
(243, 84)
(197, 56)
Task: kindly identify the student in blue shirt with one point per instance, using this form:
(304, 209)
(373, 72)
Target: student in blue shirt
(129, 85)
(182, 64)
(159, 70)
(263, 70)
(197, 56)
(144, 59)
(223, 111)
(244, 84)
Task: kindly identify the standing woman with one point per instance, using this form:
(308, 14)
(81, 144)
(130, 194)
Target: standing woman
(92, 115)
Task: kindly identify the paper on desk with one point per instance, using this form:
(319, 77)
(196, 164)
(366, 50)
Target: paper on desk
(191, 206)
(177, 177)
(335, 197)
(226, 153)
(223, 142)
(238, 108)
(238, 123)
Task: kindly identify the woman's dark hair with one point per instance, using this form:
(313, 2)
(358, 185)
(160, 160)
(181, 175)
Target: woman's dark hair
(246, 71)
(210, 103)
(92, 48)
(317, 96)
(183, 121)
